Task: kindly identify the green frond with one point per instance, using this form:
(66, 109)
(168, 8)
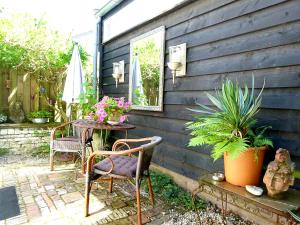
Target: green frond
(262, 142)
(197, 141)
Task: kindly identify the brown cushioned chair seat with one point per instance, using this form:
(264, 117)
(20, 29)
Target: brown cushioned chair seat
(123, 165)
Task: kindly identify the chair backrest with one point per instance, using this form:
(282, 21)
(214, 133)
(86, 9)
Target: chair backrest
(145, 156)
(77, 131)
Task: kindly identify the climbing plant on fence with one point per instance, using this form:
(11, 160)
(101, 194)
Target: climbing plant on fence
(29, 44)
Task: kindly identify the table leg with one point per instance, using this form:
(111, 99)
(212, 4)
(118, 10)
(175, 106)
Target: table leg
(226, 203)
(83, 159)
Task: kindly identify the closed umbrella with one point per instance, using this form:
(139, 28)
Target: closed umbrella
(74, 80)
(137, 83)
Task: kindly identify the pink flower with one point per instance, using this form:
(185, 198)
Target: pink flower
(97, 105)
(100, 111)
(127, 105)
(100, 119)
(103, 114)
(122, 118)
(120, 104)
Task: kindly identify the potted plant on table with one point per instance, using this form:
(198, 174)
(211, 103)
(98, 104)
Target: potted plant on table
(110, 110)
(40, 116)
(230, 128)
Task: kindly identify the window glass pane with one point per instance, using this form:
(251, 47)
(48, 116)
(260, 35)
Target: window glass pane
(133, 14)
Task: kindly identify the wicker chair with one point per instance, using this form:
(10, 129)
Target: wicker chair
(120, 164)
(77, 143)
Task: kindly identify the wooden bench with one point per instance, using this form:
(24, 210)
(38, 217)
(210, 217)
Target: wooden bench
(263, 206)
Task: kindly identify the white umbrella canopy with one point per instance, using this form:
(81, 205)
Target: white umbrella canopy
(75, 78)
(137, 82)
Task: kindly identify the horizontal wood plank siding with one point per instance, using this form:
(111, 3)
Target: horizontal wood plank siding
(225, 39)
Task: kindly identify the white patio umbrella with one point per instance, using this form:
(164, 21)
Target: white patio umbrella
(137, 77)
(74, 80)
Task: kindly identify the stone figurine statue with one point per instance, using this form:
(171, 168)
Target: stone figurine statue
(17, 114)
(279, 174)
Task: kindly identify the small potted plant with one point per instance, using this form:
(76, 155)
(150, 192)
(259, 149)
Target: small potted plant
(229, 128)
(3, 118)
(110, 110)
(40, 116)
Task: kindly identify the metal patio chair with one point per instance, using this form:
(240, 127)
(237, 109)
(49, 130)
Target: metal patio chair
(122, 164)
(77, 142)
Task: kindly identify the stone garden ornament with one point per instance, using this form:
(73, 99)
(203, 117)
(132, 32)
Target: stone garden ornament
(17, 114)
(279, 174)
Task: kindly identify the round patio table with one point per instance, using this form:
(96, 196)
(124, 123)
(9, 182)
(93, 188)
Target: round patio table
(91, 124)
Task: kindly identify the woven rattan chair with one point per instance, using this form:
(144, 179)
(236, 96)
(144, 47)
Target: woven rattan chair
(121, 164)
(77, 143)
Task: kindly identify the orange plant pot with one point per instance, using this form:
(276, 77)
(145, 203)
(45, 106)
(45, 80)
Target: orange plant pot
(245, 169)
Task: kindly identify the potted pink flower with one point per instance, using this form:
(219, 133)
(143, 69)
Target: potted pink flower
(111, 110)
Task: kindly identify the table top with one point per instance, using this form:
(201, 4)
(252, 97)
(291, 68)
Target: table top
(99, 126)
(291, 200)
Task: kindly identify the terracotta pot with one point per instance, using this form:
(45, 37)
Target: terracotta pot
(245, 169)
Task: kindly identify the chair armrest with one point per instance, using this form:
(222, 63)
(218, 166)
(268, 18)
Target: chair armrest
(52, 137)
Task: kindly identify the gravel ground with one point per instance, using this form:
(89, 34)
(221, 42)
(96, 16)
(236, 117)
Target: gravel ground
(211, 216)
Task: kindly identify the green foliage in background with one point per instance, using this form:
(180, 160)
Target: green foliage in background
(29, 44)
(88, 98)
(40, 114)
(163, 186)
(41, 151)
(3, 151)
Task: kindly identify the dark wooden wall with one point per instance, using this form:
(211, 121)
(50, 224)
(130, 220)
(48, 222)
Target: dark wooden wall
(225, 39)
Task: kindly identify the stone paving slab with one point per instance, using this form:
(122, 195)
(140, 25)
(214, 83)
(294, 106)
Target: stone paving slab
(58, 198)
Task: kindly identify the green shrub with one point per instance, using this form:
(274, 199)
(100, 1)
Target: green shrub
(3, 151)
(42, 150)
(3, 118)
(163, 186)
(40, 114)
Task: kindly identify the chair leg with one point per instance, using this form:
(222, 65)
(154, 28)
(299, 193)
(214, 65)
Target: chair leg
(150, 191)
(74, 157)
(51, 160)
(111, 180)
(138, 205)
(87, 197)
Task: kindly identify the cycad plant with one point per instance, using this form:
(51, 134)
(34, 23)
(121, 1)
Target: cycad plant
(229, 126)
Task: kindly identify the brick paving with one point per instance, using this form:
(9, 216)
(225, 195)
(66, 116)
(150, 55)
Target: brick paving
(57, 197)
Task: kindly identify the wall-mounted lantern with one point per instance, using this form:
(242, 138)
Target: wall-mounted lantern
(118, 72)
(177, 60)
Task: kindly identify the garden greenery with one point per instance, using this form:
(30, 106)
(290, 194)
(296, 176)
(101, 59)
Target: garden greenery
(30, 45)
(166, 188)
(40, 114)
(230, 126)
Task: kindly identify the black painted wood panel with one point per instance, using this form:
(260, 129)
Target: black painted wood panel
(225, 39)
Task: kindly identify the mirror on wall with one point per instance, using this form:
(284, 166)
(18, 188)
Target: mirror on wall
(147, 70)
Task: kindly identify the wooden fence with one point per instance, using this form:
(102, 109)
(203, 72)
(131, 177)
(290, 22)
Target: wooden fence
(17, 85)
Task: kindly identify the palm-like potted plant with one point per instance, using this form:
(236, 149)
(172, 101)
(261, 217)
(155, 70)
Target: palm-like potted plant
(229, 128)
